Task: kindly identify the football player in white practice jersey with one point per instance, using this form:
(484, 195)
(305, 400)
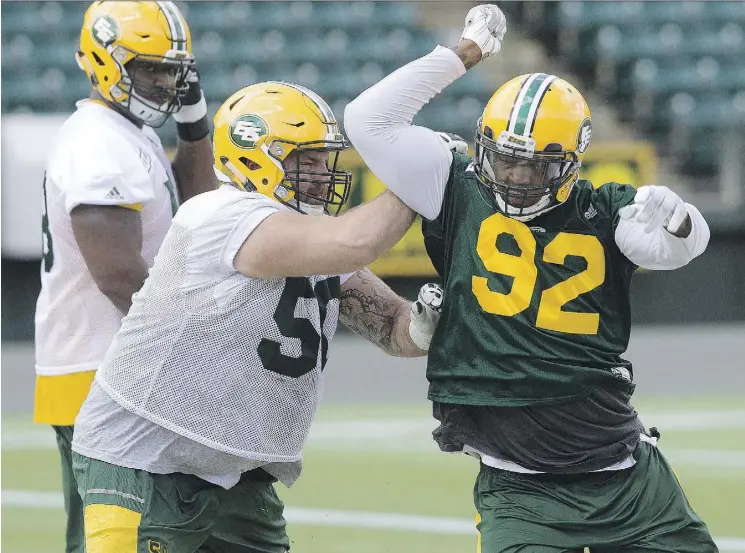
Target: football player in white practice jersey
(109, 195)
(206, 395)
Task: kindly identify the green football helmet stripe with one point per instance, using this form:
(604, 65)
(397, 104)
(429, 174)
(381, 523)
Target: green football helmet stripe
(527, 103)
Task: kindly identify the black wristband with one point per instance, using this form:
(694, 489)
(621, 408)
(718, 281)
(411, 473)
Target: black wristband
(192, 132)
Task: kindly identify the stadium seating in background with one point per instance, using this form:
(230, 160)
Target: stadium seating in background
(674, 69)
(336, 48)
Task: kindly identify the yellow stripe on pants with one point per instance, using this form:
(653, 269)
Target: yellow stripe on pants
(478, 534)
(111, 529)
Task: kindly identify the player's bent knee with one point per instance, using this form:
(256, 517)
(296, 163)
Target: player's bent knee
(111, 529)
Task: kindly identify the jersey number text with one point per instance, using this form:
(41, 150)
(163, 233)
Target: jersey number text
(524, 271)
(47, 253)
(300, 328)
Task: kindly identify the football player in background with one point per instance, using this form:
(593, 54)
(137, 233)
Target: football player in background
(207, 393)
(525, 367)
(109, 195)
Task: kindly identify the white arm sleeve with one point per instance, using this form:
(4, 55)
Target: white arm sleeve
(660, 250)
(413, 162)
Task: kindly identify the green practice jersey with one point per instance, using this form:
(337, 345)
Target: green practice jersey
(535, 312)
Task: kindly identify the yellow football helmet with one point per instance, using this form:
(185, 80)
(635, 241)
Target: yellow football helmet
(530, 143)
(258, 127)
(137, 55)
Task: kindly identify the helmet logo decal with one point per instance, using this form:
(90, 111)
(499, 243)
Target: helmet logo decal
(584, 136)
(105, 30)
(246, 130)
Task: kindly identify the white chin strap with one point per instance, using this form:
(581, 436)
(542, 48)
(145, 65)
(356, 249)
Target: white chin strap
(526, 213)
(150, 116)
(310, 209)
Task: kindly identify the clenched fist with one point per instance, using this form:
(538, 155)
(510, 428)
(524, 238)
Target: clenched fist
(425, 313)
(485, 25)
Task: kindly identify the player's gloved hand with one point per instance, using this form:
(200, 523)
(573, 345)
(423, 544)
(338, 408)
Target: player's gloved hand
(193, 105)
(191, 118)
(455, 143)
(486, 26)
(425, 313)
(654, 207)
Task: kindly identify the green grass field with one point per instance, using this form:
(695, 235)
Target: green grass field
(369, 461)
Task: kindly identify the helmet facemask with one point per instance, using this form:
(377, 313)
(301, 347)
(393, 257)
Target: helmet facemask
(316, 192)
(525, 183)
(304, 190)
(154, 85)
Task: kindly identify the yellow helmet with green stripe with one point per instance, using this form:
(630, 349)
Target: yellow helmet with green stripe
(257, 129)
(530, 142)
(137, 56)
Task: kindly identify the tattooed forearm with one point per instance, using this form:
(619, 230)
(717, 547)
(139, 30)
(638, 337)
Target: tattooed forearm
(369, 316)
(375, 312)
(468, 52)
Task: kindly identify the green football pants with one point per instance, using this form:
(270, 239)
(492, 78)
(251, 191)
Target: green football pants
(641, 509)
(74, 537)
(134, 511)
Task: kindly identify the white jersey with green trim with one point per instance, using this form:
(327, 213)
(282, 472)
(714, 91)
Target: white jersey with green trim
(99, 157)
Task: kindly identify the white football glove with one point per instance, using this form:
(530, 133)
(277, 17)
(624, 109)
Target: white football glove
(425, 313)
(486, 26)
(455, 143)
(654, 207)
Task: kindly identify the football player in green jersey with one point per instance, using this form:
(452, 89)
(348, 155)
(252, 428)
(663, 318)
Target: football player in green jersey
(525, 367)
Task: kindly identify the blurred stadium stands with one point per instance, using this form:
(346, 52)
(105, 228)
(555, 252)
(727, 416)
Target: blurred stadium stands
(674, 70)
(670, 74)
(336, 48)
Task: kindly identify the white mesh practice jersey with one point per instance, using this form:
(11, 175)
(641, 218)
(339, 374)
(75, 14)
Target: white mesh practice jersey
(228, 361)
(100, 158)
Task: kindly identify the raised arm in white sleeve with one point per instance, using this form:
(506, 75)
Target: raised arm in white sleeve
(659, 249)
(412, 161)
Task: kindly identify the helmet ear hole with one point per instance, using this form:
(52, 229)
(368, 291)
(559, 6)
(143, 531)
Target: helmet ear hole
(553, 147)
(249, 163)
(488, 133)
(98, 59)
